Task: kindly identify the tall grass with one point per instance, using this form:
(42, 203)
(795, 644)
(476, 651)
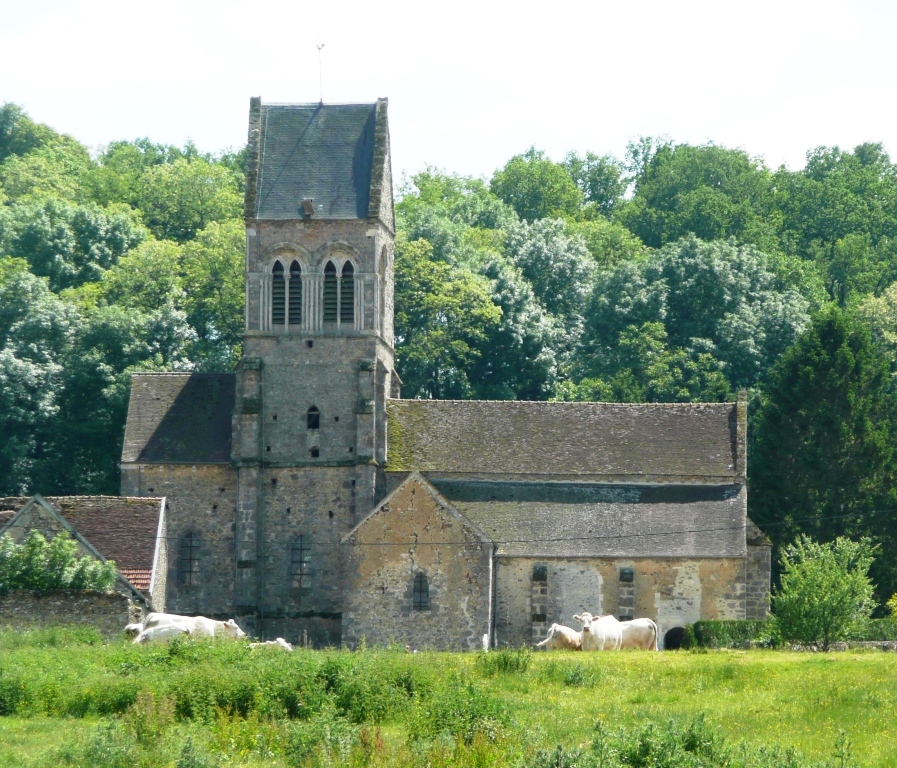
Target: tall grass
(204, 704)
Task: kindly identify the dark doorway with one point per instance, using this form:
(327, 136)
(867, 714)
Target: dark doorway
(672, 640)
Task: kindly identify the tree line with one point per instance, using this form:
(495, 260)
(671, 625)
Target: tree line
(675, 273)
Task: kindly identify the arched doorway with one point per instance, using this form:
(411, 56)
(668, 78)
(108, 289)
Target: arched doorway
(672, 640)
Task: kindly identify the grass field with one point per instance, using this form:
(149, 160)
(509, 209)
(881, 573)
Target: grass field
(67, 699)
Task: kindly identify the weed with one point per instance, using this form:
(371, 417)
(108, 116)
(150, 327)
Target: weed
(504, 660)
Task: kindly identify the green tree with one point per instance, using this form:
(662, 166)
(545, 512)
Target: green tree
(54, 169)
(537, 187)
(68, 243)
(709, 191)
(716, 299)
(600, 178)
(825, 590)
(180, 199)
(823, 444)
(442, 315)
(19, 134)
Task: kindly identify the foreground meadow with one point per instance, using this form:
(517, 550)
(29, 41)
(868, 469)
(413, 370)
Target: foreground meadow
(68, 699)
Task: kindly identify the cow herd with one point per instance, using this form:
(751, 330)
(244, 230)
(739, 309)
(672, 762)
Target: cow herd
(602, 633)
(598, 633)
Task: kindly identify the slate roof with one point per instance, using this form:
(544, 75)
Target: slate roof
(564, 440)
(180, 418)
(322, 152)
(577, 520)
(122, 529)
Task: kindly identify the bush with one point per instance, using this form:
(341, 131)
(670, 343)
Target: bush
(504, 660)
(825, 590)
(731, 634)
(458, 709)
(36, 565)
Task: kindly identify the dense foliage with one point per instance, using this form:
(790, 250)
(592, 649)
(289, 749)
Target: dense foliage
(825, 590)
(676, 273)
(40, 566)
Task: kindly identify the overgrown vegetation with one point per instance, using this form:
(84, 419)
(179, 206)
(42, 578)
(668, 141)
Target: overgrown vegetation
(40, 566)
(217, 704)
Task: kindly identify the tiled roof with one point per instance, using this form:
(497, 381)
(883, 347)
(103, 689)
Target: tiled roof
(139, 577)
(320, 152)
(180, 418)
(572, 520)
(564, 440)
(122, 529)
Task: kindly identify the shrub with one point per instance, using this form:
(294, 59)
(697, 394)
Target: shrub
(514, 660)
(459, 709)
(731, 634)
(825, 590)
(36, 565)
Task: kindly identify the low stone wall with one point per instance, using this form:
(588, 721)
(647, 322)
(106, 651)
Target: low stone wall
(108, 613)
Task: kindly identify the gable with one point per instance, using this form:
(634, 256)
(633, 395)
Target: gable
(122, 529)
(180, 418)
(414, 513)
(598, 441)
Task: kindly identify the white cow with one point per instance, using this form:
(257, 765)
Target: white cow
(198, 625)
(639, 633)
(132, 630)
(162, 633)
(279, 642)
(561, 638)
(600, 633)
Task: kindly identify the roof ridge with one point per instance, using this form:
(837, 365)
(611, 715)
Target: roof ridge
(559, 402)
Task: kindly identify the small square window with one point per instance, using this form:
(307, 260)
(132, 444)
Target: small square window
(540, 573)
(314, 453)
(627, 575)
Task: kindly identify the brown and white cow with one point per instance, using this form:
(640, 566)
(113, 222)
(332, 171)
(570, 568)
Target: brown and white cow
(561, 638)
(639, 633)
(600, 633)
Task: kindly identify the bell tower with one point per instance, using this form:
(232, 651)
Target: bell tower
(309, 424)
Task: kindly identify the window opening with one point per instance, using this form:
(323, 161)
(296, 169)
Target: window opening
(347, 295)
(314, 453)
(313, 418)
(627, 575)
(540, 573)
(188, 560)
(331, 293)
(295, 293)
(278, 295)
(300, 562)
(421, 593)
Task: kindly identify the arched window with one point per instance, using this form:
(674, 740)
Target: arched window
(331, 293)
(313, 418)
(295, 293)
(278, 294)
(300, 562)
(420, 593)
(188, 560)
(347, 295)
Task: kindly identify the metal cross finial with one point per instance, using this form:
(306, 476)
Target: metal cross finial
(320, 70)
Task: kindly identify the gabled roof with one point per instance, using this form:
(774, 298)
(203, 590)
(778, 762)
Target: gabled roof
(532, 519)
(691, 442)
(123, 529)
(385, 508)
(335, 155)
(179, 418)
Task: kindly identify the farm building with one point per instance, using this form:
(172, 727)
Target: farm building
(308, 500)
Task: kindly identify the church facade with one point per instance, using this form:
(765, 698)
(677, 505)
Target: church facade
(305, 498)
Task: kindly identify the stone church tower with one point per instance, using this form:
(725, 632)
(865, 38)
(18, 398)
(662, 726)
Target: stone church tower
(309, 417)
(291, 444)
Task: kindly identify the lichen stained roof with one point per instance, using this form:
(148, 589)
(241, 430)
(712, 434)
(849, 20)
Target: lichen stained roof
(179, 418)
(321, 152)
(575, 520)
(560, 439)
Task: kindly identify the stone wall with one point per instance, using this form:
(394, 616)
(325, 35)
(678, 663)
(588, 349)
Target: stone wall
(674, 592)
(108, 613)
(757, 575)
(415, 531)
(201, 499)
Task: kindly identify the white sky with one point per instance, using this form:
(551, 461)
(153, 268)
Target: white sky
(470, 83)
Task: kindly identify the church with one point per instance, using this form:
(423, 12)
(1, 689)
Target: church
(307, 500)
